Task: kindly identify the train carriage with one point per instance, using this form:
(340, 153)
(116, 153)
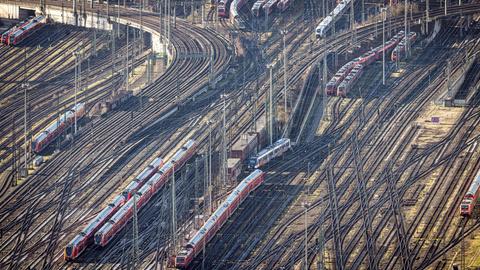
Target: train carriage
(44, 138)
(469, 201)
(217, 220)
(144, 194)
(142, 177)
(266, 155)
(85, 237)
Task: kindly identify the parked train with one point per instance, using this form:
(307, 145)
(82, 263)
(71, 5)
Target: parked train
(268, 6)
(57, 127)
(235, 18)
(344, 80)
(470, 199)
(217, 220)
(5, 35)
(399, 51)
(266, 155)
(143, 195)
(223, 8)
(257, 7)
(15, 35)
(85, 237)
(326, 23)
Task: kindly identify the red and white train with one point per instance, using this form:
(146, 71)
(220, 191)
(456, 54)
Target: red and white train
(216, 221)
(235, 18)
(282, 5)
(269, 6)
(350, 80)
(399, 51)
(56, 128)
(332, 87)
(257, 7)
(15, 35)
(223, 8)
(470, 199)
(146, 174)
(85, 237)
(143, 195)
(6, 34)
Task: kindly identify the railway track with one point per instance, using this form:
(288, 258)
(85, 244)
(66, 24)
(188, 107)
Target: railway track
(186, 40)
(240, 258)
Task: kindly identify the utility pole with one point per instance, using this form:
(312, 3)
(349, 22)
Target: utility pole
(75, 14)
(127, 62)
(352, 21)
(363, 11)
(449, 84)
(305, 205)
(118, 20)
(224, 142)
(324, 80)
(383, 40)
(135, 233)
(25, 86)
(285, 79)
(75, 53)
(270, 106)
(210, 77)
(141, 28)
(174, 214)
(407, 49)
(210, 168)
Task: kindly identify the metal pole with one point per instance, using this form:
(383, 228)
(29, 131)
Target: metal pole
(76, 86)
(210, 169)
(270, 106)
(25, 86)
(383, 51)
(407, 49)
(118, 20)
(306, 236)
(285, 86)
(224, 142)
(174, 214)
(126, 64)
(445, 7)
(135, 233)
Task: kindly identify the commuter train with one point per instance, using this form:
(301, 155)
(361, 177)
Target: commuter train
(106, 233)
(470, 199)
(326, 23)
(282, 5)
(217, 220)
(266, 155)
(235, 18)
(223, 8)
(6, 34)
(257, 7)
(268, 6)
(15, 35)
(85, 237)
(399, 51)
(344, 80)
(42, 140)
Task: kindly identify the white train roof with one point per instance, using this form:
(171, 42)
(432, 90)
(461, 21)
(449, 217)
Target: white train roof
(223, 207)
(475, 185)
